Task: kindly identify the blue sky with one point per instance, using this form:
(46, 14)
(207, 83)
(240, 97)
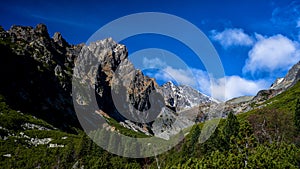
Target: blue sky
(257, 41)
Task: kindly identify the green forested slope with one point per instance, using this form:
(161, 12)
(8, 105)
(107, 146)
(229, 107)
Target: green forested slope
(28, 142)
(265, 137)
(262, 138)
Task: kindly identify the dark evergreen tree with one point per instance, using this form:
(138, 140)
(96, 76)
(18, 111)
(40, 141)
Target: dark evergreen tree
(83, 146)
(231, 127)
(297, 115)
(194, 140)
(190, 145)
(214, 142)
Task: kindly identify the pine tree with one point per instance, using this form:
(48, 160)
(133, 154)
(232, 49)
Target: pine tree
(195, 135)
(231, 127)
(83, 146)
(189, 147)
(214, 142)
(297, 115)
(194, 139)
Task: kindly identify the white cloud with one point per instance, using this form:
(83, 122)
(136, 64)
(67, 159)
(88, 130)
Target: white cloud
(272, 53)
(196, 78)
(232, 37)
(202, 81)
(234, 86)
(222, 89)
(153, 63)
(181, 76)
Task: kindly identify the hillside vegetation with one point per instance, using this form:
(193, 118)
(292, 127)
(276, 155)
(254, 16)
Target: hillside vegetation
(39, 126)
(262, 138)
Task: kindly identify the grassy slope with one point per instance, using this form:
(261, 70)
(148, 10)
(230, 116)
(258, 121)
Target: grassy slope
(24, 154)
(284, 102)
(78, 148)
(28, 156)
(265, 155)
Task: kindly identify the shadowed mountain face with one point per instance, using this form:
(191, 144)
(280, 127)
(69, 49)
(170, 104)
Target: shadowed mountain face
(38, 73)
(129, 96)
(45, 81)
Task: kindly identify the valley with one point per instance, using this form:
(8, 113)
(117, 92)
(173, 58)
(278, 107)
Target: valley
(56, 98)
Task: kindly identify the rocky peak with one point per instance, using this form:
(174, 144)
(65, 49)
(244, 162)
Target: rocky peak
(238, 105)
(291, 78)
(182, 97)
(21, 32)
(101, 59)
(123, 92)
(57, 38)
(1, 29)
(42, 30)
(41, 74)
(170, 86)
(104, 67)
(109, 53)
(28, 33)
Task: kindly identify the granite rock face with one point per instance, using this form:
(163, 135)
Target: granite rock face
(291, 78)
(45, 73)
(129, 96)
(44, 68)
(244, 104)
(183, 97)
(38, 71)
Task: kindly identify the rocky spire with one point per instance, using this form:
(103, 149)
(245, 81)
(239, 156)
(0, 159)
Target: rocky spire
(291, 78)
(57, 38)
(42, 29)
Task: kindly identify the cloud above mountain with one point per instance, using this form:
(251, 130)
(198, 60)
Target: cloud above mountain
(232, 37)
(233, 86)
(177, 75)
(272, 53)
(222, 89)
(153, 63)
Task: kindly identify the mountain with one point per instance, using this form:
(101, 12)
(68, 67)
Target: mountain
(37, 72)
(101, 65)
(181, 110)
(247, 103)
(46, 80)
(183, 97)
(124, 93)
(127, 95)
(291, 78)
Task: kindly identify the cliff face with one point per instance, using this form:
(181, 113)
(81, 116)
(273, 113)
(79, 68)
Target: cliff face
(129, 96)
(291, 78)
(38, 73)
(122, 91)
(280, 85)
(183, 97)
